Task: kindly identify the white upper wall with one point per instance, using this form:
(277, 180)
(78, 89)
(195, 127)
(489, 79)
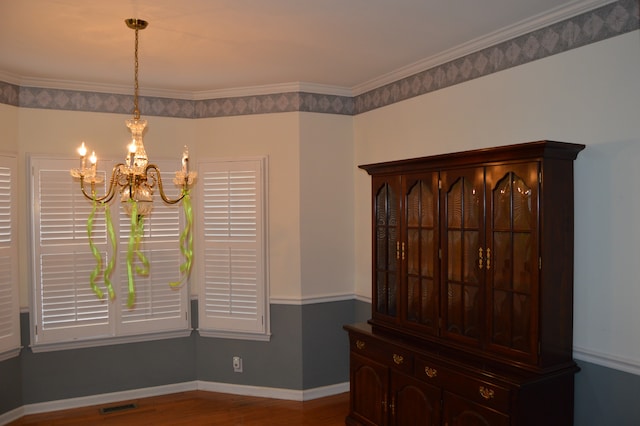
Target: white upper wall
(589, 95)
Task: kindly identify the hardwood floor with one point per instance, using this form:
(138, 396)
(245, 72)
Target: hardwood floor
(203, 408)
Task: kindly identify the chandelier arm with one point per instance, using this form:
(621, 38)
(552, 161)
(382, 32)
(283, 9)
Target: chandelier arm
(108, 196)
(159, 179)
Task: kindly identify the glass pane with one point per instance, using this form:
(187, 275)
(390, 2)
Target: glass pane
(413, 205)
(501, 260)
(522, 262)
(412, 251)
(502, 204)
(454, 308)
(471, 253)
(522, 216)
(501, 317)
(392, 294)
(392, 249)
(428, 253)
(429, 302)
(381, 295)
(455, 255)
(428, 206)
(471, 203)
(413, 298)
(471, 311)
(521, 322)
(454, 205)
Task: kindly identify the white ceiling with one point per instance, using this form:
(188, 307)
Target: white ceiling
(199, 47)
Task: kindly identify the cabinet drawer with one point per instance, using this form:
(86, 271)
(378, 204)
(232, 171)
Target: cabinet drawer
(390, 355)
(485, 393)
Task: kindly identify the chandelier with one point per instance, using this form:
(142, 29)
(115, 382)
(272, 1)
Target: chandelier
(134, 181)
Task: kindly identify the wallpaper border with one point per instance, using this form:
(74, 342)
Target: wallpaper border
(608, 21)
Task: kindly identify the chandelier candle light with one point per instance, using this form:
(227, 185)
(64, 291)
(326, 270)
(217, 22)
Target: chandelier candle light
(135, 180)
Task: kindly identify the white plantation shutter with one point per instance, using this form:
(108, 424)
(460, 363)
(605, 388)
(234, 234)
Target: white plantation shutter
(9, 306)
(158, 306)
(66, 308)
(231, 255)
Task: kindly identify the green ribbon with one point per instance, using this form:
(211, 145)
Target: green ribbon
(186, 240)
(112, 261)
(144, 269)
(96, 253)
(135, 236)
(130, 251)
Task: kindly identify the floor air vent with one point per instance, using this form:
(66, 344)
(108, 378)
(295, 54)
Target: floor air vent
(117, 408)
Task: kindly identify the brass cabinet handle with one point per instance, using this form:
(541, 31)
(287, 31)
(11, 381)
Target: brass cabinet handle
(360, 344)
(430, 372)
(403, 251)
(397, 249)
(488, 258)
(398, 359)
(393, 406)
(486, 393)
(480, 258)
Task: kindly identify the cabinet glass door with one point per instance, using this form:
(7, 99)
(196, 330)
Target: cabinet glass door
(512, 264)
(420, 252)
(463, 253)
(386, 247)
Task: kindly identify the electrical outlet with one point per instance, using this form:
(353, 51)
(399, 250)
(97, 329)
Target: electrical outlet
(237, 364)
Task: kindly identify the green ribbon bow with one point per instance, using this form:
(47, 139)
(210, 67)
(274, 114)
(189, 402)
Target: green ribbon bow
(186, 240)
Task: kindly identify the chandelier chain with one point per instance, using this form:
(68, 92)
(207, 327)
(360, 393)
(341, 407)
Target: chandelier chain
(136, 111)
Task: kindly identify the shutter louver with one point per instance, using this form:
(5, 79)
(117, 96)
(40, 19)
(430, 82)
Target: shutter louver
(67, 299)
(158, 306)
(67, 309)
(7, 321)
(9, 312)
(232, 269)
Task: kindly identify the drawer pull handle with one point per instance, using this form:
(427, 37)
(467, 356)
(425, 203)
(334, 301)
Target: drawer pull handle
(486, 393)
(398, 359)
(360, 344)
(430, 372)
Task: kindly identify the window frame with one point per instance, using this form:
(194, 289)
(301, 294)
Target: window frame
(234, 327)
(113, 332)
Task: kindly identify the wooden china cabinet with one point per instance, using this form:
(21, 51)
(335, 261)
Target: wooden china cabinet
(472, 298)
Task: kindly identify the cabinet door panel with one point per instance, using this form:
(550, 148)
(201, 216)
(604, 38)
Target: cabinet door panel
(512, 274)
(463, 253)
(386, 247)
(421, 295)
(461, 412)
(414, 403)
(369, 386)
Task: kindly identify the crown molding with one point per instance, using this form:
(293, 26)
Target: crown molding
(82, 86)
(271, 89)
(533, 23)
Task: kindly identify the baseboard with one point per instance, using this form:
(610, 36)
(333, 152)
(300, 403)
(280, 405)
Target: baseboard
(607, 360)
(11, 416)
(108, 398)
(277, 393)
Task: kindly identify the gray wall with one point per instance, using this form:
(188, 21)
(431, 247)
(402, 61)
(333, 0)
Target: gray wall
(308, 349)
(287, 361)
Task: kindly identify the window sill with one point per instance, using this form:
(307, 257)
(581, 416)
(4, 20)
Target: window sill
(261, 337)
(12, 353)
(90, 343)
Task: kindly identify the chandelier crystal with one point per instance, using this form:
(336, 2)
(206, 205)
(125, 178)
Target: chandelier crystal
(135, 180)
